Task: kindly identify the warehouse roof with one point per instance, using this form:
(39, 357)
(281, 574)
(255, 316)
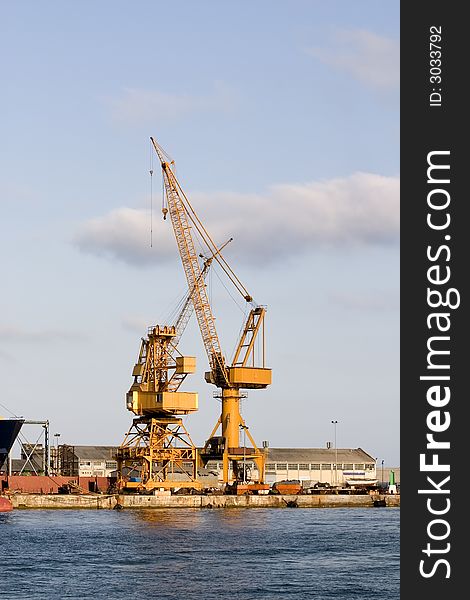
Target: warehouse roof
(293, 455)
(319, 455)
(94, 452)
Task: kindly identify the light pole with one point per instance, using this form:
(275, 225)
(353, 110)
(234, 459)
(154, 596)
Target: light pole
(244, 428)
(57, 436)
(383, 473)
(336, 454)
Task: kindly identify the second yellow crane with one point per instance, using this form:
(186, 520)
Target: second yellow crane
(247, 369)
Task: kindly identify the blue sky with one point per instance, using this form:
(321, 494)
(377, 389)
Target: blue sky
(283, 120)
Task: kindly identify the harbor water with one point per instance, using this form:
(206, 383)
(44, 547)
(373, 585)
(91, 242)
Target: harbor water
(201, 554)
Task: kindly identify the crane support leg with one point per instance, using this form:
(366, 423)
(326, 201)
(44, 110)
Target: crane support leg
(156, 449)
(231, 446)
(231, 418)
(231, 421)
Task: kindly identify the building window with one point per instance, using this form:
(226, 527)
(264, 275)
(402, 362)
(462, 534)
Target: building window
(85, 463)
(326, 466)
(359, 466)
(111, 464)
(270, 467)
(293, 466)
(369, 467)
(315, 466)
(304, 466)
(348, 466)
(281, 466)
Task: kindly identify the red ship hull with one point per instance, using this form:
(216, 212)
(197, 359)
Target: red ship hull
(5, 504)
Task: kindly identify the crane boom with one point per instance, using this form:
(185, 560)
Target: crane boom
(188, 307)
(180, 325)
(192, 269)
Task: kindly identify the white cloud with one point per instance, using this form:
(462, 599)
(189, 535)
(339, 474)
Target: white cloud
(286, 220)
(134, 323)
(368, 57)
(140, 105)
(125, 234)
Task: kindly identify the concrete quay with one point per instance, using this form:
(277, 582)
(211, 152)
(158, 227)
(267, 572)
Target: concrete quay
(103, 501)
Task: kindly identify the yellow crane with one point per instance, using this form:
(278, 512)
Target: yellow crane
(157, 445)
(247, 369)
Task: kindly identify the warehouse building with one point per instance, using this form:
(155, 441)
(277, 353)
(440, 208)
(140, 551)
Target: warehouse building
(311, 466)
(341, 466)
(87, 461)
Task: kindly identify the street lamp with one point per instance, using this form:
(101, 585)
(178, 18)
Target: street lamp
(336, 455)
(244, 428)
(57, 436)
(383, 482)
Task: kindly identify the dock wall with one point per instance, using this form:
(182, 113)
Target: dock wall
(90, 501)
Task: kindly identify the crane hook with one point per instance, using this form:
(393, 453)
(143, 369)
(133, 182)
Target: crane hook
(164, 211)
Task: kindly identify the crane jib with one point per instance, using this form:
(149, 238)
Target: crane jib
(193, 272)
